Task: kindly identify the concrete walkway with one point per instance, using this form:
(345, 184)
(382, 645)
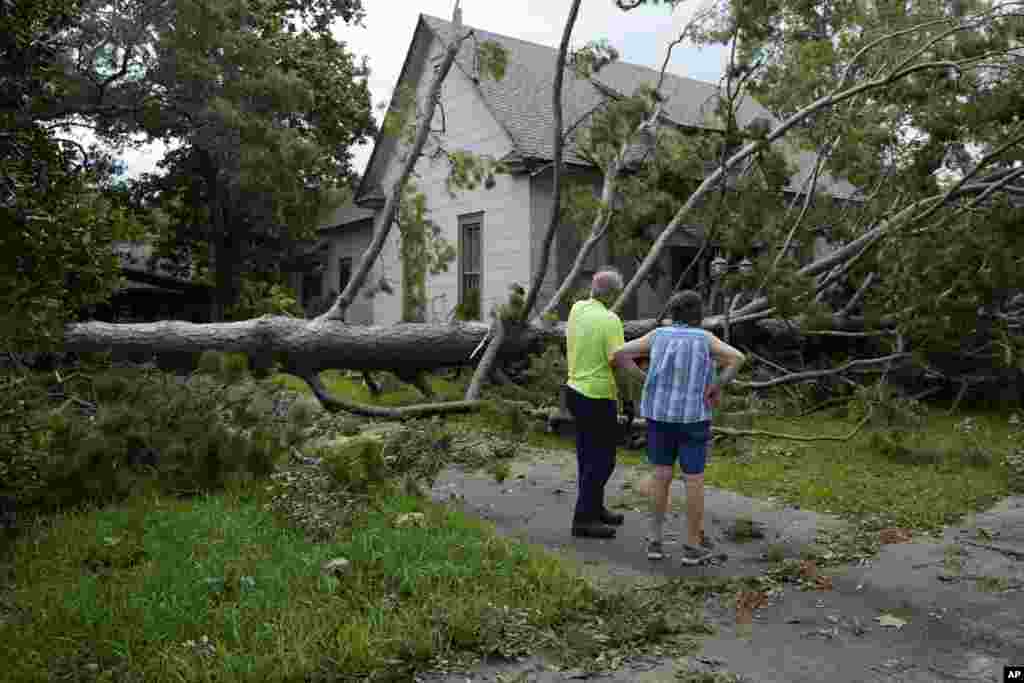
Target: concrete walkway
(962, 626)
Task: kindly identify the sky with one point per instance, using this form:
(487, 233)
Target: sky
(641, 36)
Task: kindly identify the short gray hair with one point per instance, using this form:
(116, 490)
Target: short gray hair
(606, 280)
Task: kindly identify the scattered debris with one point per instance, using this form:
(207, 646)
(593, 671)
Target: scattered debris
(336, 566)
(890, 621)
(747, 602)
(411, 519)
(894, 535)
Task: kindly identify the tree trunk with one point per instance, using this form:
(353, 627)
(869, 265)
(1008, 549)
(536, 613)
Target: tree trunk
(406, 348)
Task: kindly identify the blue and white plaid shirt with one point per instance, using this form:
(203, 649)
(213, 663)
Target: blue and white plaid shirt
(680, 370)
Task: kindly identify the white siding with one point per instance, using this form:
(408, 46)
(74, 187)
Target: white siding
(350, 242)
(567, 242)
(469, 126)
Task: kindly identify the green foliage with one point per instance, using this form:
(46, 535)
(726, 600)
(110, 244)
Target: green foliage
(918, 479)
(399, 115)
(591, 58)
(148, 430)
(357, 463)
(61, 208)
(506, 416)
(265, 110)
(469, 308)
(511, 310)
(492, 59)
(423, 249)
(193, 589)
(370, 463)
(547, 372)
(262, 297)
(887, 408)
(1014, 460)
(467, 171)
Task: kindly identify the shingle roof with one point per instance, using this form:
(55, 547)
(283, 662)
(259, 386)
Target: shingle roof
(350, 213)
(521, 101)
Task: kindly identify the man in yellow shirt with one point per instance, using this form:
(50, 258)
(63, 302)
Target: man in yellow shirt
(593, 335)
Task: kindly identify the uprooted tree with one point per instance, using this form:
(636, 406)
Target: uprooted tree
(916, 105)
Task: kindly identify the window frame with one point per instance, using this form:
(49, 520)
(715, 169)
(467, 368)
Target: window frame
(466, 221)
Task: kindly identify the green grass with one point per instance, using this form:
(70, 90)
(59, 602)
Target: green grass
(446, 389)
(855, 479)
(132, 590)
(945, 475)
(126, 587)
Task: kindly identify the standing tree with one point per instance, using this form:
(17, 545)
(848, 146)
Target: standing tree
(260, 102)
(60, 207)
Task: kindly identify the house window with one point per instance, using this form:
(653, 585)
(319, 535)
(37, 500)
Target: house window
(344, 272)
(470, 264)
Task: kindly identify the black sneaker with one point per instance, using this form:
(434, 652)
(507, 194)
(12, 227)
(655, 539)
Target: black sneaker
(612, 518)
(693, 556)
(593, 530)
(655, 551)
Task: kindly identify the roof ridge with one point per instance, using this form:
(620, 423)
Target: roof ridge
(516, 147)
(555, 49)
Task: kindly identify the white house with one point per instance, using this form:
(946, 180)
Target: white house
(498, 231)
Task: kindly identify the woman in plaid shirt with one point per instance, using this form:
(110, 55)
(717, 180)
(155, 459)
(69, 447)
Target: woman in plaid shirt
(680, 390)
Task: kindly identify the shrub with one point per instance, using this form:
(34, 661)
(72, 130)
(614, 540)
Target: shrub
(209, 363)
(146, 429)
(547, 373)
(887, 408)
(506, 416)
(469, 308)
(357, 463)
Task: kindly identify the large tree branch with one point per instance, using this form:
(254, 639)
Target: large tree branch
(483, 369)
(476, 384)
(559, 145)
(334, 404)
(817, 374)
(382, 223)
(812, 182)
(836, 97)
(597, 232)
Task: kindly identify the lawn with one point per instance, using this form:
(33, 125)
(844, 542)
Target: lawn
(948, 467)
(225, 587)
(222, 587)
(942, 473)
(215, 588)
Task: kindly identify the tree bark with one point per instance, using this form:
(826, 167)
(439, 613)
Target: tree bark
(406, 348)
(559, 144)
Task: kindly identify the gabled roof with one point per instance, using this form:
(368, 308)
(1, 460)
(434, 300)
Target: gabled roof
(344, 215)
(521, 101)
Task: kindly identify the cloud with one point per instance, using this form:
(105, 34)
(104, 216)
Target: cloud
(641, 36)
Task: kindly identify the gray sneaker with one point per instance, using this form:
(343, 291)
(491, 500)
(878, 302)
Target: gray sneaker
(693, 556)
(655, 551)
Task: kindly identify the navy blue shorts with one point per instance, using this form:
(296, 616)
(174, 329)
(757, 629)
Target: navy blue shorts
(687, 441)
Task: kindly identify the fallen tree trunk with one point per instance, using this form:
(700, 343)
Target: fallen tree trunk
(316, 345)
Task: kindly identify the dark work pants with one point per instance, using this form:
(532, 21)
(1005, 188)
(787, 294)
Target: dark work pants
(597, 432)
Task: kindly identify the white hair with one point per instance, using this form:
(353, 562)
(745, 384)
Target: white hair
(606, 281)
